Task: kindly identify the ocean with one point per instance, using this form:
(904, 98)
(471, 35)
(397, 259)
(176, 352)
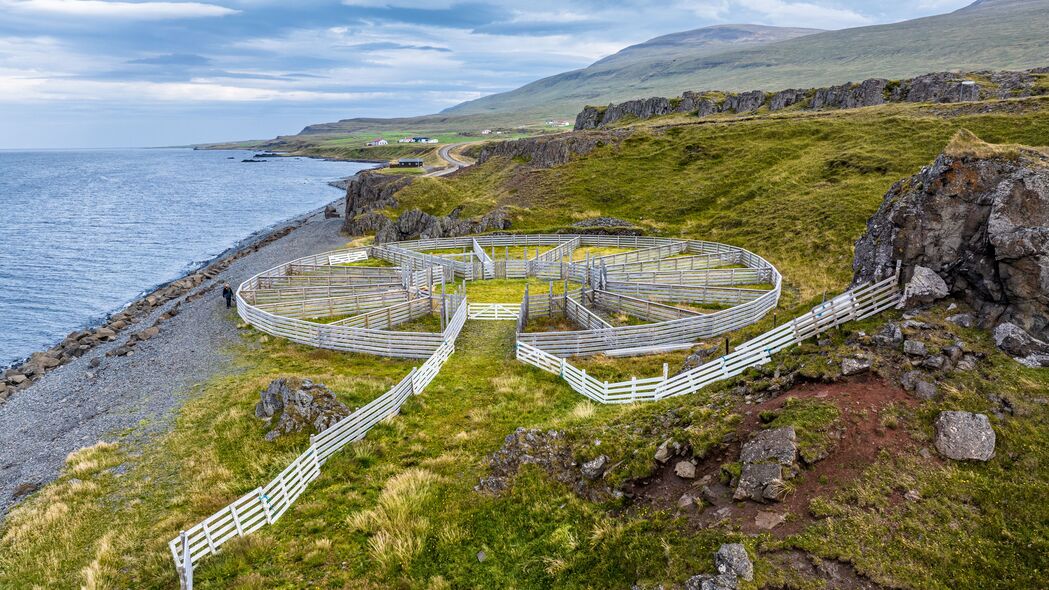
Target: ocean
(84, 232)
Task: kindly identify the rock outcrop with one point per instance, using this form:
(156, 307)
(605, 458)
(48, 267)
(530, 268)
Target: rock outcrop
(548, 151)
(769, 459)
(978, 218)
(732, 564)
(368, 194)
(550, 451)
(371, 191)
(300, 405)
(942, 87)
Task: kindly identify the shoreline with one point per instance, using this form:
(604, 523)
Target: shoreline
(127, 385)
(36, 363)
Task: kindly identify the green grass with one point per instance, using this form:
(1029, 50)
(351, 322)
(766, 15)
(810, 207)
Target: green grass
(399, 509)
(794, 188)
(510, 290)
(814, 422)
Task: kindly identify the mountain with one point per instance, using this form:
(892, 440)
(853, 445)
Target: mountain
(989, 34)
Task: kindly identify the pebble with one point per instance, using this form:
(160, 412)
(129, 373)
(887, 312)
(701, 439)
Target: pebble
(39, 427)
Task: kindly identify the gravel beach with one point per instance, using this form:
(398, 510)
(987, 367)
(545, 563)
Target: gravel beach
(134, 397)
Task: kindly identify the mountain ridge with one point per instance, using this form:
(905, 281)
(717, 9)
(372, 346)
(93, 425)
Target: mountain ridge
(988, 34)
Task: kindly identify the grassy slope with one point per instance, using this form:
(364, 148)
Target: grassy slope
(1004, 34)
(796, 188)
(399, 510)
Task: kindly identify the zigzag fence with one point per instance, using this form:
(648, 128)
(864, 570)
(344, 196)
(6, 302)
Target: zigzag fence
(856, 304)
(266, 504)
(323, 288)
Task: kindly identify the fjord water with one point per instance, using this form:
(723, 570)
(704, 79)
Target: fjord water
(84, 232)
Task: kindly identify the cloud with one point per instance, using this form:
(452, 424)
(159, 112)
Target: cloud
(173, 59)
(805, 14)
(392, 46)
(119, 10)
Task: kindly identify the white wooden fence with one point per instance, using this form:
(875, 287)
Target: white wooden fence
(266, 504)
(857, 304)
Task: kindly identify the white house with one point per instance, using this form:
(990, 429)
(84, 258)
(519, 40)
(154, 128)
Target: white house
(405, 140)
(377, 142)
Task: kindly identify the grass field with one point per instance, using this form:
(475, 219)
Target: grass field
(400, 510)
(795, 188)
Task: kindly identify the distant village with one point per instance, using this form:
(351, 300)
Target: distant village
(378, 141)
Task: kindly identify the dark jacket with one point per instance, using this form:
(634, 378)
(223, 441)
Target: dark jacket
(227, 292)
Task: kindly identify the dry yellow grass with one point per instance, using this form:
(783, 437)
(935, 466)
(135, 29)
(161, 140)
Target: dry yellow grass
(396, 524)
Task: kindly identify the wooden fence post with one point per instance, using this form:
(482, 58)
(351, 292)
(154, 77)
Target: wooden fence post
(443, 306)
(185, 571)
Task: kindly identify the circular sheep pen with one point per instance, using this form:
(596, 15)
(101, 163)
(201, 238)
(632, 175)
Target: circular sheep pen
(356, 299)
(627, 295)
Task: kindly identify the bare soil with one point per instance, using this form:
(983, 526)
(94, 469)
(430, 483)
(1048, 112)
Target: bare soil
(861, 400)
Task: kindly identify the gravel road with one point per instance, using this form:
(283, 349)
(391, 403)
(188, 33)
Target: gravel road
(133, 398)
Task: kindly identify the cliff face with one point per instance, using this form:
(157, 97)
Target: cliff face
(978, 217)
(548, 151)
(937, 88)
(367, 194)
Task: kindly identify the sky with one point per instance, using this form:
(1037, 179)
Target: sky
(101, 73)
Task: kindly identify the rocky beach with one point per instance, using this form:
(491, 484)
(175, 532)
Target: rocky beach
(124, 379)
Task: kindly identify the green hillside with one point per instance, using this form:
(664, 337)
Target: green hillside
(796, 187)
(990, 34)
(401, 508)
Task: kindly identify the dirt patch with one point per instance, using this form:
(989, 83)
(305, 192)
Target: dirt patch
(868, 429)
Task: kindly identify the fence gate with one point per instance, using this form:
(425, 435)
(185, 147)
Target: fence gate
(493, 311)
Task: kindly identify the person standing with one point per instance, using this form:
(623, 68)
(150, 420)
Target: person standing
(227, 294)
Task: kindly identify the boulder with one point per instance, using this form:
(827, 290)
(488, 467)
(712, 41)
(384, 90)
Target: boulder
(1015, 341)
(761, 482)
(964, 436)
(105, 334)
(890, 336)
(664, 452)
(915, 348)
(777, 445)
(924, 287)
(685, 470)
(686, 502)
(914, 382)
(925, 390)
(595, 468)
(301, 405)
(855, 366)
(146, 334)
(330, 212)
(936, 362)
(978, 217)
(732, 559)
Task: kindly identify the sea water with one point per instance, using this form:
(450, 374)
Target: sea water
(84, 232)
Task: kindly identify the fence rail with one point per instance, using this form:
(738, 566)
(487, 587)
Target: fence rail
(857, 304)
(265, 505)
(280, 301)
